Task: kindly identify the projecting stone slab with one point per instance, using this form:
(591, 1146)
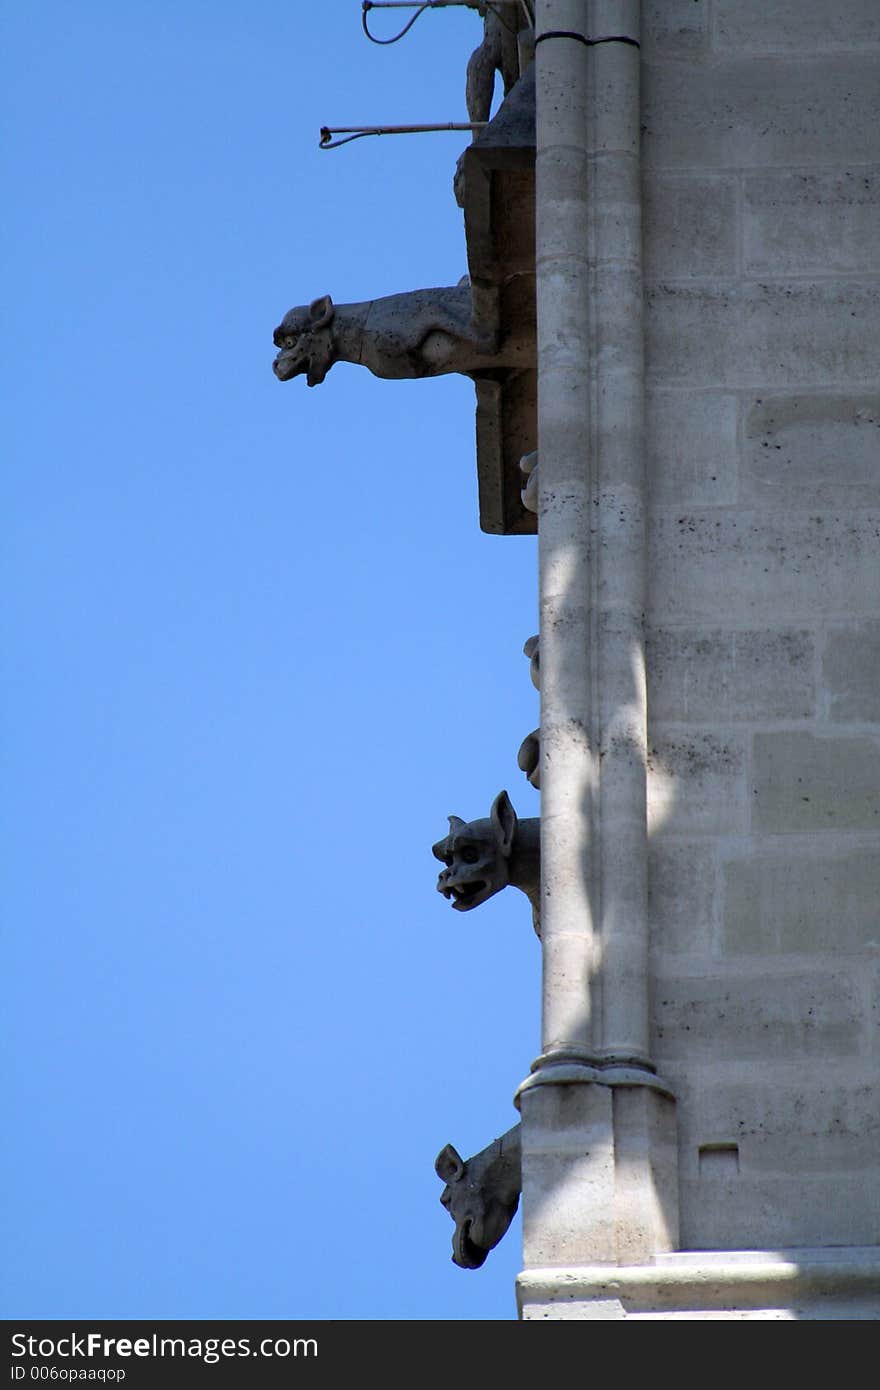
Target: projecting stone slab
(851, 673)
(498, 191)
(803, 902)
(812, 450)
(752, 1017)
(691, 444)
(713, 676)
(812, 223)
(804, 783)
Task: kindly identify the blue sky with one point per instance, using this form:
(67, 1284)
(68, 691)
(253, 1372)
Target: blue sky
(257, 649)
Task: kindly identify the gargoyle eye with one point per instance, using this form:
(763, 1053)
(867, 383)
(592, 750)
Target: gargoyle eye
(470, 854)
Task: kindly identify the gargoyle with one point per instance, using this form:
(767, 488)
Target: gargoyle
(402, 336)
(481, 1195)
(484, 856)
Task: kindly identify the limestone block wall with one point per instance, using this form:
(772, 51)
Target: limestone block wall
(761, 146)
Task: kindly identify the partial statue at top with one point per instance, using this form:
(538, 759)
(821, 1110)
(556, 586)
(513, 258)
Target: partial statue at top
(497, 53)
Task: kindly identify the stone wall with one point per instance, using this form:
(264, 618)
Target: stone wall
(761, 145)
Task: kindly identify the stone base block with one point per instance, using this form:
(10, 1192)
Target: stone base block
(600, 1174)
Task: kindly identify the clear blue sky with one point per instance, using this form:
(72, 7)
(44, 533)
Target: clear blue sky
(256, 650)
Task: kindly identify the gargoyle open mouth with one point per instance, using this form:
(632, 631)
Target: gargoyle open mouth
(464, 897)
(465, 1253)
(289, 364)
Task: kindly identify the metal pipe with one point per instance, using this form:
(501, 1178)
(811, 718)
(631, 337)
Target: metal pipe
(356, 132)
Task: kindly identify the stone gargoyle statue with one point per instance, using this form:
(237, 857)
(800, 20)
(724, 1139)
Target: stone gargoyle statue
(484, 856)
(481, 1195)
(529, 756)
(401, 336)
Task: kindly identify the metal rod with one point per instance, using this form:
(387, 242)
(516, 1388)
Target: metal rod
(356, 132)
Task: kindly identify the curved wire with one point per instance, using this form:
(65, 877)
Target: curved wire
(367, 6)
(327, 142)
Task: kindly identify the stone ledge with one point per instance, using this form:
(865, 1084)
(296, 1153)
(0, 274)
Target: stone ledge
(828, 1282)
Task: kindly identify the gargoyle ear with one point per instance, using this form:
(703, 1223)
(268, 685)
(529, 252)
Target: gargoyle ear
(442, 847)
(503, 819)
(449, 1165)
(321, 311)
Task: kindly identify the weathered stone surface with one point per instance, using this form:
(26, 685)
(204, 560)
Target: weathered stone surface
(742, 335)
(691, 448)
(732, 567)
(568, 1174)
(696, 783)
(812, 450)
(689, 225)
(812, 223)
(747, 112)
(804, 783)
(674, 29)
(851, 673)
(818, 1124)
(778, 1212)
(746, 1017)
(803, 901)
(793, 26)
(713, 676)
(682, 896)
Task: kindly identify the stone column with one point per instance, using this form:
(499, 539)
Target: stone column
(599, 1162)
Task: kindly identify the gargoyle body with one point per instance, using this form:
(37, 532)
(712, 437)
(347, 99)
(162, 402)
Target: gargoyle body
(484, 856)
(402, 336)
(481, 1195)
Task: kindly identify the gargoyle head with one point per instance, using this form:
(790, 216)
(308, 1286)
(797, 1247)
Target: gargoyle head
(305, 337)
(481, 1195)
(477, 856)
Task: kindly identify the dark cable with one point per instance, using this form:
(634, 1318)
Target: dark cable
(367, 5)
(590, 43)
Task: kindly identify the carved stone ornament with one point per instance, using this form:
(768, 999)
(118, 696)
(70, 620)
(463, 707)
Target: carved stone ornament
(529, 756)
(481, 1195)
(528, 467)
(484, 856)
(528, 759)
